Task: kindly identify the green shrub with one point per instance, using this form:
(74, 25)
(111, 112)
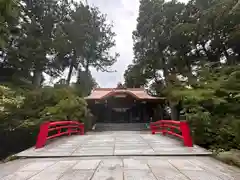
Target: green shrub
(71, 108)
(213, 130)
(52, 104)
(20, 118)
(213, 108)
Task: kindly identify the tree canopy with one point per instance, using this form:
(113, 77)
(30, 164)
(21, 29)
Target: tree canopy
(41, 39)
(189, 53)
(44, 37)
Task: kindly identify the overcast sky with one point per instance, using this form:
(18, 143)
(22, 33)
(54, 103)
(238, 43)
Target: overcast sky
(123, 14)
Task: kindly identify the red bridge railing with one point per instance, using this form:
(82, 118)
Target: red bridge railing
(179, 129)
(50, 130)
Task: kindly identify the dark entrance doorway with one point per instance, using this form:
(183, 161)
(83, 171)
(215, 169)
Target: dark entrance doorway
(119, 116)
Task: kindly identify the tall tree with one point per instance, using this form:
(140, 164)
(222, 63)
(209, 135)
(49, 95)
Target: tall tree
(180, 40)
(91, 48)
(33, 50)
(85, 82)
(9, 13)
(133, 77)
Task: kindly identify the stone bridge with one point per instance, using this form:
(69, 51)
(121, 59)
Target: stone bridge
(117, 156)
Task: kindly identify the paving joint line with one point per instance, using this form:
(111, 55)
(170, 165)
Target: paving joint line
(179, 170)
(152, 171)
(41, 170)
(147, 143)
(80, 146)
(95, 170)
(123, 167)
(119, 155)
(62, 174)
(114, 146)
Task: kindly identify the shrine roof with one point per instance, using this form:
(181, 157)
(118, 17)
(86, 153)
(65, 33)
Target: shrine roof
(138, 93)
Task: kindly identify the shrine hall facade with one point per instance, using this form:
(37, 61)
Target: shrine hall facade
(130, 105)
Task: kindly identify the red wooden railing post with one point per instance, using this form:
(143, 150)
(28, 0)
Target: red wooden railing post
(153, 128)
(81, 127)
(42, 136)
(58, 127)
(162, 128)
(169, 127)
(69, 131)
(187, 139)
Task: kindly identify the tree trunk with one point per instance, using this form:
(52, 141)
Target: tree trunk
(70, 73)
(173, 105)
(165, 71)
(87, 67)
(235, 7)
(228, 59)
(206, 51)
(175, 114)
(73, 62)
(37, 77)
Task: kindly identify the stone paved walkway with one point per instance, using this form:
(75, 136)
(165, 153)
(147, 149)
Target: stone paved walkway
(119, 168)
(117, 156)
(114, 143)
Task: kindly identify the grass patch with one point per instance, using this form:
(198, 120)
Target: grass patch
(10, 158)
(231, 157)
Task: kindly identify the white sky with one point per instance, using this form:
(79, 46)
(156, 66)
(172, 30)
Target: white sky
(123, 14)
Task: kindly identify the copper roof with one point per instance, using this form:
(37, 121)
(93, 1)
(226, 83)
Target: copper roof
(101, 93)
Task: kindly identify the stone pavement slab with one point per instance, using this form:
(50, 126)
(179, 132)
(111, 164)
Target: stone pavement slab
(77, 175)
(119, 168)
(108, 174)
(135, 164)
(111, 163)
(138, 175)
(37, 166)
(87, 164)
(169, 174)
(113, 143)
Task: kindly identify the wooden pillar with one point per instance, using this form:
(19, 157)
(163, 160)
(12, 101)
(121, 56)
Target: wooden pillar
(109, 115)
(161, 111)
(143, 113)
(106, 113)
(140, 113)
(129, 115)
(99, 115)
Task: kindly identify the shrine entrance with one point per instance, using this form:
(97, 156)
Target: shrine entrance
(124, 105)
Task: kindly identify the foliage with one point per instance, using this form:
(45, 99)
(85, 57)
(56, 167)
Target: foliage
(40, 39)
(214, 114)
(44, 37)
(9, 11)
(10, 158)
(120, 86)
(52, 104)
(231, 157)
(71, 108)
(85, 82)
(132, 78)
(92, 47)
(189, 53)
(37, 106)
(9, 99)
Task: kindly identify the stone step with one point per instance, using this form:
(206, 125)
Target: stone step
(120, 127)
